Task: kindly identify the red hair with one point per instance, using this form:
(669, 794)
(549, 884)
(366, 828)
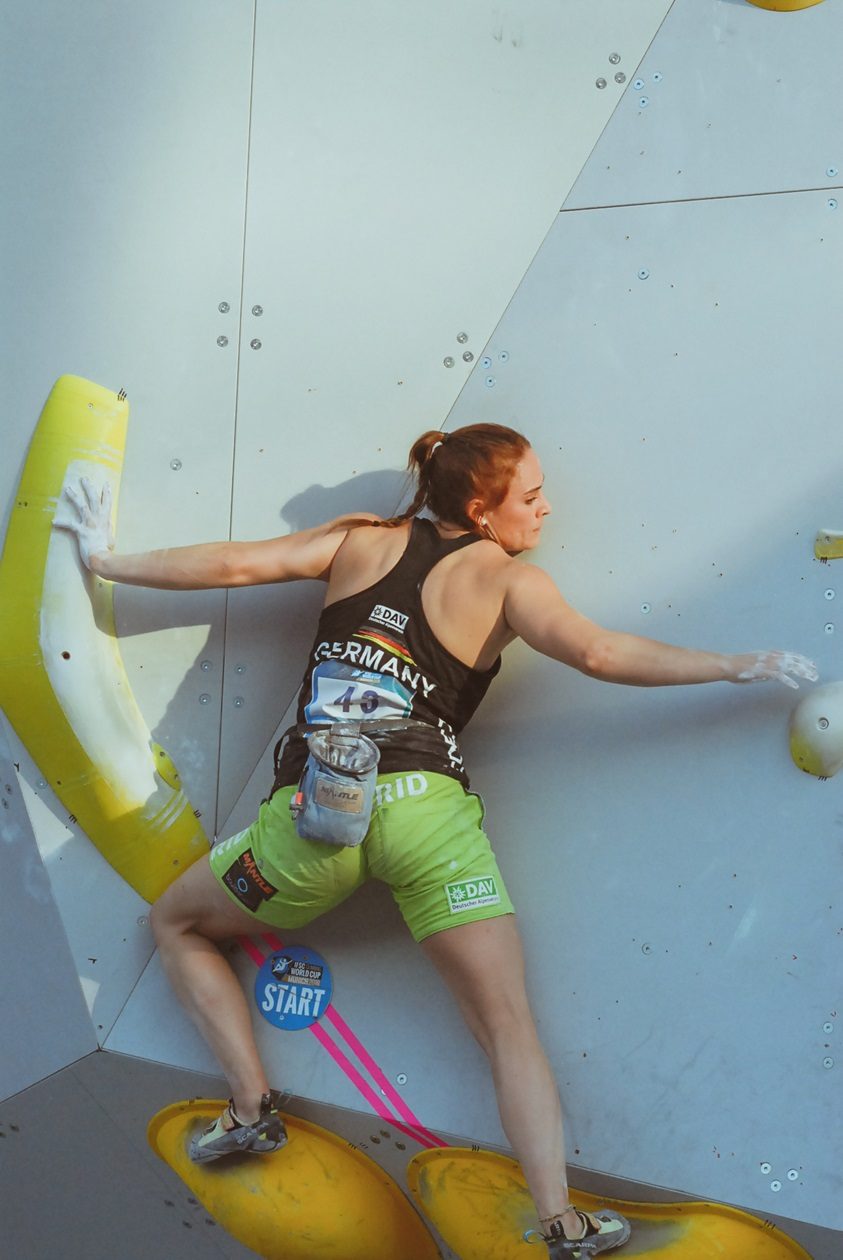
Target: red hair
(450, 469)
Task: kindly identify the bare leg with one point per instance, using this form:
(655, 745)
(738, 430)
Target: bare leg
(483, 965)
(186, 921)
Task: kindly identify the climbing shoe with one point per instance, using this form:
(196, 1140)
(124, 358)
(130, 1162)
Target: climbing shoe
(601, 1232)
(228, 1134)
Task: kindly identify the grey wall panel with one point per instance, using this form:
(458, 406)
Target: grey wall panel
(39, 988)
(728, 99)
(124, 151)
(404, 168)
(671, 865)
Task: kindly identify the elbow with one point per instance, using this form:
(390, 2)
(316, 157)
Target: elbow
(598, 658)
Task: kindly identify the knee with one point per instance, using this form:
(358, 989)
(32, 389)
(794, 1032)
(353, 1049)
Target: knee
(163, 921)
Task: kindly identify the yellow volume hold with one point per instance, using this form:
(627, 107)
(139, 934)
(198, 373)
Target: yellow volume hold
(318, 1196)
(479, 1203)
(63, 685)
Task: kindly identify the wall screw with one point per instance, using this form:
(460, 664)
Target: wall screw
(829, 594)
(832, 203)
(223, 308)
(255, 344)
(638, 84)
(766, 1169)
(504, 356)
(175, 464)
(601, 83)
(239, 669)
(143, 921)
(822, 723)
(646, 949)
(829, 627)
(828, 1064)
(449, 362)
(643, 274)
(238, 702)
(828, 1028)
(792, 1175)
(401, 1078)
(462, 338)
(775, 1186)
(658, 76)
(614, 59)
(486, 361)
(42, 783)
(831, 172)
(222, 341)
(490, 382)
(468, 356)
(620, 77)
(206, 665)
(257, 310)
(204, 698)
(645, 608)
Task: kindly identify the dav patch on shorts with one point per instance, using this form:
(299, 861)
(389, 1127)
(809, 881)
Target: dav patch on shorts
(246, 882)
(470, 894)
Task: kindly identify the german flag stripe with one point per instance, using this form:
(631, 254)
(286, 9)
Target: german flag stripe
(391, 646)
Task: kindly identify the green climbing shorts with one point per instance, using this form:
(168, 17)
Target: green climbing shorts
(425, 840)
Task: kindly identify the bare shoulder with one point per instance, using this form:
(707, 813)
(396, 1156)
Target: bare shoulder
(364, 554)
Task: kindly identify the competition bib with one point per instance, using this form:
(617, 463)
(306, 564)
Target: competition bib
(341, 693)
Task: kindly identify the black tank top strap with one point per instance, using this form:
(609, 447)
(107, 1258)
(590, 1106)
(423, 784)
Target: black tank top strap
(425, 548)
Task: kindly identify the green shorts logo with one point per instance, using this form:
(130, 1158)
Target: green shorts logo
(469, 894)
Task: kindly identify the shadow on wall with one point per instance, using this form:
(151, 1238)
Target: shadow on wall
(273, 625)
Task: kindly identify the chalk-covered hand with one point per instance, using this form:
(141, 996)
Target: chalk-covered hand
(783, 667)
(87, 514)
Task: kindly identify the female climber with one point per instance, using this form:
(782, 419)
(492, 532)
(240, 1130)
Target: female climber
(417, 612)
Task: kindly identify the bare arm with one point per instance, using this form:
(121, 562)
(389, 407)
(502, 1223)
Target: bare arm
(537, 613)
(307, 554)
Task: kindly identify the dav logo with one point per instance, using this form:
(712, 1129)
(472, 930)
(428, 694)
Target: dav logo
(469, 894)
(388, 617)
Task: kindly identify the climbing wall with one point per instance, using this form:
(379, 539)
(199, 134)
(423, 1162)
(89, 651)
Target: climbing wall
(298, 236)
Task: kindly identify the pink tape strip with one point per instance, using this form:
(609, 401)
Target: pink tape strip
(422, 1136)
(376, 1073)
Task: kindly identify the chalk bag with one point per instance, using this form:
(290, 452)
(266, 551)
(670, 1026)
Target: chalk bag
(336, 792)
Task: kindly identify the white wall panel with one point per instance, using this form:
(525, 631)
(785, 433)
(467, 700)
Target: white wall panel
(124, 150)
(729, 99)
(406, 163)
(38, 984)
(671, 865)
(124, 154)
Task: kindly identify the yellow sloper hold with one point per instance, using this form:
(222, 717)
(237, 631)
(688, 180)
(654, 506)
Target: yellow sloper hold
(316, 1197)
(828, 545)
(816, 731)
(63, 685)
(478, 1201)
(785, 6)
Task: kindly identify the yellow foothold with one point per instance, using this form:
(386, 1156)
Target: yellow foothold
(816, 731)
(317, 1196)
(784, 6)
(479, 1203)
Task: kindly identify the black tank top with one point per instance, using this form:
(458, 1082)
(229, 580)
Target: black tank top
(376, 659)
